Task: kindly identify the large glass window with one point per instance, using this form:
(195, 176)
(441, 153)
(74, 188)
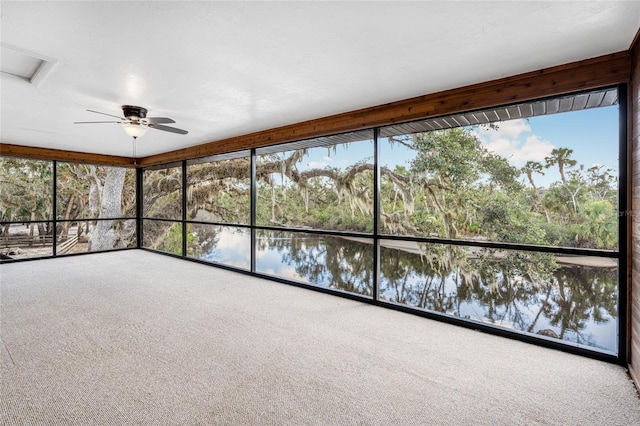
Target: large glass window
(219, 189)
(26, 240)
(162, 192)
(506, 217)
(93, 203)
(324, 183)
(87, 191)
(162, 235)
(542, 175)
(548, 179)
(26, 208)
(219, 192)
(571, 298)
(27, 189)
(95, 235)
(95, 208)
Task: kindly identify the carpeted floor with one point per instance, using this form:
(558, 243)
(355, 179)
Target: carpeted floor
(129, 338)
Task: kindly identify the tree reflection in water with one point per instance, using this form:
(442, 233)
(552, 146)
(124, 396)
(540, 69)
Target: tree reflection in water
(525, 291)
(324, 261)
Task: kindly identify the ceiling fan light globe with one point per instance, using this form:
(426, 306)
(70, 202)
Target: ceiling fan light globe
(135, 130)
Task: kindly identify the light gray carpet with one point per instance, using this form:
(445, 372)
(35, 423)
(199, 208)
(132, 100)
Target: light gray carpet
(134, 337)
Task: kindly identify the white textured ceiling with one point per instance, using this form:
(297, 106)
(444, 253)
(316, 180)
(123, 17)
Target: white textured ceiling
(222, 69)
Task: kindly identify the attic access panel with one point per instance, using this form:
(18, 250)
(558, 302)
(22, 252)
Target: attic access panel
(28, 66)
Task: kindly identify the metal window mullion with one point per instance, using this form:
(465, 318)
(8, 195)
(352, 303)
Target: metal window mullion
(376, 214)
(54, 248)
(623, 221)
(184, 208)
(139, 228)
(253, 208)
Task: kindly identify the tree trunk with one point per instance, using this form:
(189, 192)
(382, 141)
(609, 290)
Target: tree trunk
(31, 227)
(561, 170)
(103, 236)
(94, 194)
(544, 304)
(67, 214)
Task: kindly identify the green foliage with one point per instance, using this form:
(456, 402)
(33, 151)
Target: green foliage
(452, 188)
(164, 205)
(504, 219)
(27, 189)
(172, 241)
(80, 190)
(598, 225)
(500, 174)
(452, 155)
(557, 234)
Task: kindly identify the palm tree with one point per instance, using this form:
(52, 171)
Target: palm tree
(599, 227)
(530, 168)
(561, 157)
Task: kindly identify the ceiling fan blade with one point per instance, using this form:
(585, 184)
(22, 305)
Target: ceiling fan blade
(104, 113)
(159, 120)
(168, 129)
(94, 122)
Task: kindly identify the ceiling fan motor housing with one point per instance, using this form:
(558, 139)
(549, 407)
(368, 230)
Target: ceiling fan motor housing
(134, 112)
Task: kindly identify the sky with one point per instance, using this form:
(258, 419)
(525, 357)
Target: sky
(591, 133)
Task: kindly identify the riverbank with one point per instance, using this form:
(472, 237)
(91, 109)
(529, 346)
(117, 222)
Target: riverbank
(413, 247)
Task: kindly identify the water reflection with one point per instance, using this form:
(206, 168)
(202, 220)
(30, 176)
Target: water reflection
(573, 299)
(569, 298)
(227, 245)
(324, 261)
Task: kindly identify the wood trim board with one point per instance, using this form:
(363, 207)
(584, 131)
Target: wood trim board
(61, 155)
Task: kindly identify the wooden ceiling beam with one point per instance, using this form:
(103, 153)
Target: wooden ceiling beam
(61, 155)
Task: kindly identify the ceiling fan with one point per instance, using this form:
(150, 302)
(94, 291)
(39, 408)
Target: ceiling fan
(136, 123)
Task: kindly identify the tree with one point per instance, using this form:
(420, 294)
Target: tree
(104, 236)
(458, 172)
(87, 192)
(602, 183)
(529, 169)
(582, 294)
(562, 158)
(505, 219)
(27, 190)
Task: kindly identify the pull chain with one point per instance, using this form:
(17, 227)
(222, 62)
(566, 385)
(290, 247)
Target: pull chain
(135, 159)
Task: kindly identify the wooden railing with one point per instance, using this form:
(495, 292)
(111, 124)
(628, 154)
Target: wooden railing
(66, 246)
(25, 241)
(18, 241)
